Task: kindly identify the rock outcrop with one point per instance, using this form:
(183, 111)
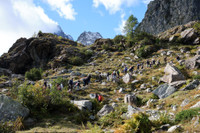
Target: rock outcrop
(10, 110)
(44, 51)
(88, 38)
(165, 14)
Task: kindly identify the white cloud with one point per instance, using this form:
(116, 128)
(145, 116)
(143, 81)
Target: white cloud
(21, 18)
(114, 6)
(63, 7)
(146, 1)
(119, 29)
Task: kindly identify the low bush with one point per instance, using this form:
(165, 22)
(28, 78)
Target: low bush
(196, 77)
(164, 119)
(43, 101)
(92, 128)
(34, 74)
(139, 123)
(76, 60)
(145, 51)
(118, 39)
(186, 115)
(197, 26)
(11, 127)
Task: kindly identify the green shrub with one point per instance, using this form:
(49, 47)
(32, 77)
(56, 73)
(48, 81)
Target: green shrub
(164, 119)
(113, 119)
(145, 51)
(43, 101)
(96, 106)
(76, 61)
(186, 115)
(197, 26)
(92, 128)
(118, 39)
(139, 123)
(196, 77)
(34, 74)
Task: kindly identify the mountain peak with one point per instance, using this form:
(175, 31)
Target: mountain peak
(88, 38)
(61, 33)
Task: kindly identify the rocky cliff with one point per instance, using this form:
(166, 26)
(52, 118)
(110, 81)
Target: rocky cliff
(45, 51)
(88, 38)
(164, 14)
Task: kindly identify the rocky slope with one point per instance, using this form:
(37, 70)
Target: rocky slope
(165, 14)
(62, 34)
(88, 38)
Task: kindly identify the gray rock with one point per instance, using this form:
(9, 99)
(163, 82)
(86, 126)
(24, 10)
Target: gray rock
(6, 84)
(164, 91)
(130, 99)
(174, 107)
(135, 81)
(105, 110)
(75, 74)
(4, 90)
(193, 62)
(175, 128)
(131, 110)
(153, 114)
(103, 83)
(121, 90)
(188, 34)
(148, 90)
(114, 105)
(165, 127)
(198, 52)
(151, 101)
(92, 117)
(17, 76)
(178, 84)
(11, 110)
(92, 96)
(194, 84)
(185, 102)
(143, 86)
(197, 105)
(83, 104)
(172, 74)
(127, 78)
(195, 73)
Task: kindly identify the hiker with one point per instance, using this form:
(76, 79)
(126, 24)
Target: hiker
(70, 83)
(114, 75)
(177, 58)
(78, 85)
(153, 62)
(158, 62)
(100, 97)
(138, 66)
(100, 77)
(131, 69)
(142, 66)
(118, 73)
(125, 69)
(150, 65)
(45, 84)
(61, 86)
(165, 59)
(86, 80)
(107, 76)
(147, 62)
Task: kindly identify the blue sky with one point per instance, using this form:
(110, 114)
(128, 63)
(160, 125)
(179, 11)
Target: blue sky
(23, 18)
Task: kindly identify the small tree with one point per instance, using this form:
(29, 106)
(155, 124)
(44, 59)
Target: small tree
(130, 26)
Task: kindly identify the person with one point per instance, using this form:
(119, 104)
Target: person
(153, 61)
(100, 77)
(45, 84)
(177, 58)
(142, 66)
(125, 69)
(86, 80)
(78, 85)
(147, 62)
(70, 83)
(100, 98)
(165, 59)
(118, 74)
(131, 69)
(107, 76)
(114, 76)
(138, 66)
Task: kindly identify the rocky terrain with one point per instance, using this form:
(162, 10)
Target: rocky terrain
(162, 94)
(165, 14)
(88, 38)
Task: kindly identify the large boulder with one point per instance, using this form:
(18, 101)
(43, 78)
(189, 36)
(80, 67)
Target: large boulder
(105, 110)
(127, 78)
(164, 91)
(193, 62)
(188, 35)
(10, 110)
(191, 85)
(83, 104)
(172, 74)
(130, 99)
(131, 110)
